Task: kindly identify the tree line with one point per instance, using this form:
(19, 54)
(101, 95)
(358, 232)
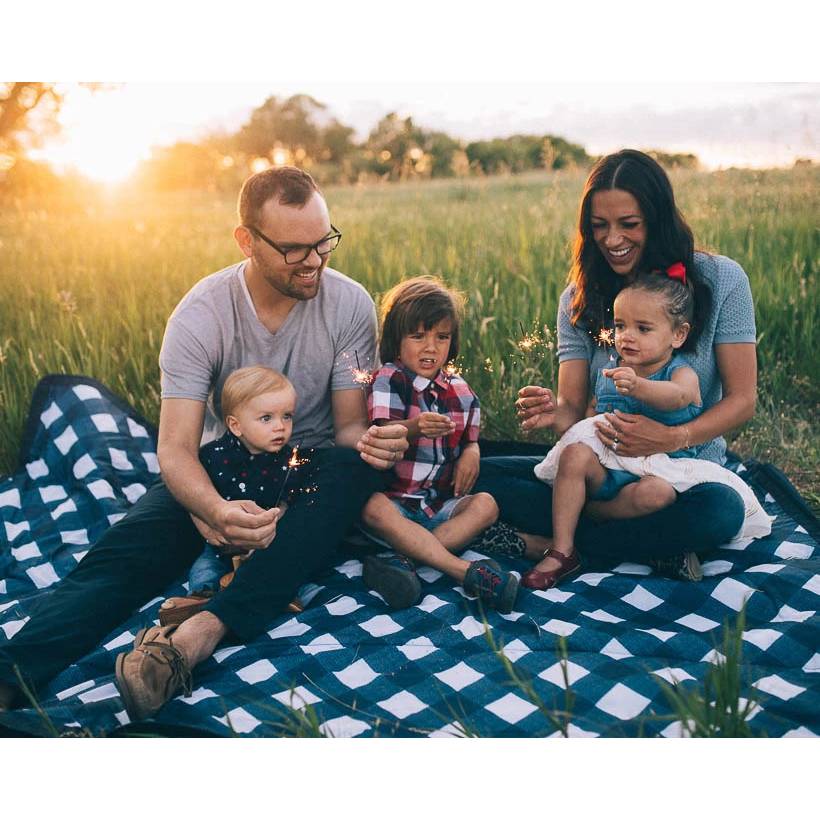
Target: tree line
(301, 131)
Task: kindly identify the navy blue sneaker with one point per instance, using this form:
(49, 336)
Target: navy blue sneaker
(394, 577)
(491, 585)
(684, 567)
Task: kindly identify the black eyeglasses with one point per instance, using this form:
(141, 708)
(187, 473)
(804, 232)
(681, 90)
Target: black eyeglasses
(298, 253)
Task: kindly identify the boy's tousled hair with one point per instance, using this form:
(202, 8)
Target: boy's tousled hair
(286, 184)
(246, 383)
(678, 299)
(423, 301)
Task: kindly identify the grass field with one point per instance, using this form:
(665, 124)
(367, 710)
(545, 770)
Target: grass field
(87, 287)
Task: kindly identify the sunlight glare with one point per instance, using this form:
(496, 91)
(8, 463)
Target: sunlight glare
(103, 136)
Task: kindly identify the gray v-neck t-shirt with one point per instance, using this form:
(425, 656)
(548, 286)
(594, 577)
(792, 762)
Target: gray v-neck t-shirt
(214, 330)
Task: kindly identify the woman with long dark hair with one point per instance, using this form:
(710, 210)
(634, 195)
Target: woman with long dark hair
(629, 224)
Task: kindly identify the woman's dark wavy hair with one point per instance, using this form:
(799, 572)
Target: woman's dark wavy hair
(668, 240)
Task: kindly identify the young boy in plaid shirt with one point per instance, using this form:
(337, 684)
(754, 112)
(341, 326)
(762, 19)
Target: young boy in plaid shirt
(427, 513)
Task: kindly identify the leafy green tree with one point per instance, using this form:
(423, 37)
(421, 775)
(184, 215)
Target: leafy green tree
(290, 123)
(28, 112)
(394, 147)
(18, 104)
(442, 150)
(337, 141)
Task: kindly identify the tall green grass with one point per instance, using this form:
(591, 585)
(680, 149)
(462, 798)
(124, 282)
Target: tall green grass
(87, 288)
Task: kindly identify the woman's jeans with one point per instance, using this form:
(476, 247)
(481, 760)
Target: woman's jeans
(700, 520)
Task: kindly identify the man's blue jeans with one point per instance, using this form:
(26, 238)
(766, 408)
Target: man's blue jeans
(701, 519)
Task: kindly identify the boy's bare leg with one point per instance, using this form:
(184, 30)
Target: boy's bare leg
(642, 497)
(409, 538)
(471, 516)
(580, 474)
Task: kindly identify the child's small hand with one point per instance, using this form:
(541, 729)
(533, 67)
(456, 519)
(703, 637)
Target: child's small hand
(466, 471)
(625, 378)
(435, 425)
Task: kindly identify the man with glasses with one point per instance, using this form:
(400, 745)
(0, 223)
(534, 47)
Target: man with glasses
(281, 307)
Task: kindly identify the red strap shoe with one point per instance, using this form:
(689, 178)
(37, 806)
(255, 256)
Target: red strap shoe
(545, 579)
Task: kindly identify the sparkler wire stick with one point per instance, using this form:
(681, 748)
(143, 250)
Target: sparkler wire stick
(293, 461)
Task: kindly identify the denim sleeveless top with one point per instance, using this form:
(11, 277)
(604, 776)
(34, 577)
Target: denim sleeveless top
(608, 399)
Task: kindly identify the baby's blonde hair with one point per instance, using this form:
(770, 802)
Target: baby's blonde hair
(248, 382)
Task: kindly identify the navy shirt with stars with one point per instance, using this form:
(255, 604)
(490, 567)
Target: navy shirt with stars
(238, 474)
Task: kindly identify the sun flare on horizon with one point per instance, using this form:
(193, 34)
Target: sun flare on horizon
(103, 136)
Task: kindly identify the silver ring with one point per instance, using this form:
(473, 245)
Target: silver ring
(615, 445)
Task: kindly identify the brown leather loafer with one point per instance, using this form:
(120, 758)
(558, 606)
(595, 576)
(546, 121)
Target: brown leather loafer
(173, 611)
(152, 673)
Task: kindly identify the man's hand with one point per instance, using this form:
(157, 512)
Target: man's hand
(625, 379)
(239, 526)
(466, 471)
(535, 407)
(381, 447)
(435, 425)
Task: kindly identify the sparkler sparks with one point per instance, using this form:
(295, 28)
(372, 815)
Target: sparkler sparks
(294, 462)
(605, 337)
(361, 377)
(528, 341)
(450, 370)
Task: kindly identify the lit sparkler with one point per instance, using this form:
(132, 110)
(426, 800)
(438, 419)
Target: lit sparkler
(293, 462)
(450, 370)
(528, 341)
(605, 337)
(362, 377)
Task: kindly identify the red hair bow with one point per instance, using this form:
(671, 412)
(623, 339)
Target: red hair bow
(677, 271)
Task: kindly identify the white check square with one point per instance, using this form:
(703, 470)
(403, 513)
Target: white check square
(357, 674)
(622, 702)
(775, 685)
(789, 549)
(732, 593)
(642, 599)
(555, 673)
(402, 705)
(239, 720)
(257, 672)
(459, 676)
(511, 708)
(381, 625)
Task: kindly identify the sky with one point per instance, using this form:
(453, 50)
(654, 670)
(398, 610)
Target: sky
(734, 83)
(106, 133)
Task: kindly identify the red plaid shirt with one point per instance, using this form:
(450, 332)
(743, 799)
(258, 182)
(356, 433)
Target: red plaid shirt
(424, 477)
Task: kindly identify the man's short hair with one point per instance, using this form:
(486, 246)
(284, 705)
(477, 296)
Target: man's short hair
(286, 184)
(247, 383)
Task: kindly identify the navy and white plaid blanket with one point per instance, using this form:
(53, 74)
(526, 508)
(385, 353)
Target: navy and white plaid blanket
(354, 668)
